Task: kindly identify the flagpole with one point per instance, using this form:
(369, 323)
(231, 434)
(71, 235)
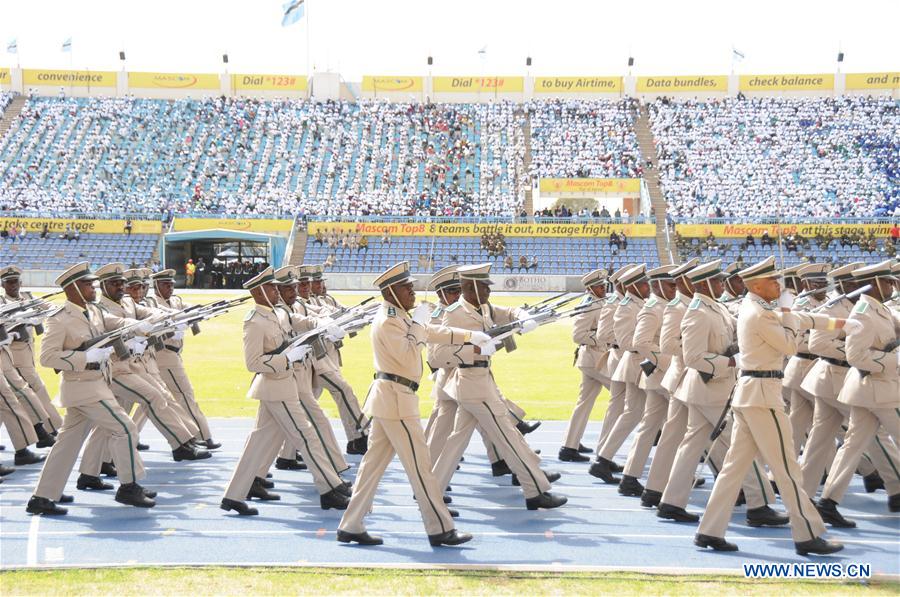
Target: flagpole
(308, 35)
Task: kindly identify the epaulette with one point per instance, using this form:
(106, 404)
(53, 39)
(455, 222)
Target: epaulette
(101, 306)
(437, 312)
(249, 314)
(586, 300)
(650, 302)
(392, 312)
(861, 307)
(453, 307)
(611, 299)
(625, 300)
(695, 304)
(674, 301)
(764, 305)
(802, 302)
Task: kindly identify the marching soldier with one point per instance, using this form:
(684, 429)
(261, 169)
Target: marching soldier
(86, 395)
(392, 404)
(761, 425)
(480, 403)
(646, 343)
(21, 431)
(328, 374)
(870, 390)
(587, 358)
(734, 289)
(708, 333)
(266, 332)
(22, 349)
(171, 365)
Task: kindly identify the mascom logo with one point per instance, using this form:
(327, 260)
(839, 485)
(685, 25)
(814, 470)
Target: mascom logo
(174, 81)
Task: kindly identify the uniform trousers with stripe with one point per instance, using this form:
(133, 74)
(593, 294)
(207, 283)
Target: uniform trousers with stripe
(801, 416)
(592, 383)
(104, 414)
(405, 438)
(14, 417)
(32, 392)
(179, 386)
(613, 411)
(655, 409)
(323, 430)
(275, 422)
(635, 402)
(764, 432)
(491, 415)
(443, 418)
(352, 417)
(30, 375)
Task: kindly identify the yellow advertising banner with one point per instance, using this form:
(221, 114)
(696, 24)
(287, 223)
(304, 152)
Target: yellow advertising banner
(578, 84)
(821, 82)
(479, 84)
(5, 77)
(68, 78)
(377, 83)
(590, 185)
(872, 81)
(269, 82)
(806, 230)
(173, 81)
(684, 84)
(248, 225)
(58, 225)
(585, 230)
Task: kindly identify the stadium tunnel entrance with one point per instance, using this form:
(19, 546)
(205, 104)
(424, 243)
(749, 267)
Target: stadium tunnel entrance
(229, 257)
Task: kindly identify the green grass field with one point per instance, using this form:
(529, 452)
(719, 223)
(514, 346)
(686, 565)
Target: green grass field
(539, 376)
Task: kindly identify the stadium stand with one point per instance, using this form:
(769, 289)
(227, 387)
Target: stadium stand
(56, 253)
(752, 158)
(5, 98)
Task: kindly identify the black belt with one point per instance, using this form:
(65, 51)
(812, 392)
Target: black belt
(174, 349)
(412, 385)
(808, 356)
(482, 364)
(763, 374)
(837, 362)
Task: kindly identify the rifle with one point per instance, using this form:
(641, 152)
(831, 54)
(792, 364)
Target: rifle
(503, 333)
(527, 307)
(314, 338)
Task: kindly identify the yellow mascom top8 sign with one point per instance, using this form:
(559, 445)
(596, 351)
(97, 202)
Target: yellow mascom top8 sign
(173, 81)
(478, 84)
(787, 82)
(269, 82)
(378, 83)
(873, 81)
(68, 78)
(5, 79)
(578, 85)
(682, 84)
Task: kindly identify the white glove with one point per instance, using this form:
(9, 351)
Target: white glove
(145, 326)
(786, 300)
(480, 338)
(529, 325)
(32, 321)
(98, 355)
(738, 361)
(178, 335)
(487, 350)
(137, 345)
(851, 326)
(421, 314)
(334, 333)
(298, 353)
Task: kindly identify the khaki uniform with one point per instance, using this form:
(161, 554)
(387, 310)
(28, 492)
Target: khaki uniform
(22, 352)
(628, 372)
(14, 415)
(762, 426)
(707, 330)
(397, 344)
(609, 359)
(480, 403)
(802, 402)
(280, 415)
(588, 355)
(85, 393)
(646, 343)
(871, 390)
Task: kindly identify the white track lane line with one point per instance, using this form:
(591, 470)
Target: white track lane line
(31, 551)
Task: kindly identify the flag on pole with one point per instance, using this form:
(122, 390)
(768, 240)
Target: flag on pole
(67, 45)
(483, 51)
(735, 54)
(293, 12)
(12, 47)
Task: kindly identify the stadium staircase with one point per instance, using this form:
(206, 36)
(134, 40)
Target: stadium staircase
(11, 113)
(298, 248)
(651, 178)
(529, 201)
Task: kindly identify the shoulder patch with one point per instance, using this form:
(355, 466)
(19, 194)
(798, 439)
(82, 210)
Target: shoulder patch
(249, 314)
(802, 302)
(392, 312)
(674, 301)
(452, 307)
(437, 312)
(611, 299)
(651, 302)
(861, 307)
(695, 304)
(585, 300)
(625, 300)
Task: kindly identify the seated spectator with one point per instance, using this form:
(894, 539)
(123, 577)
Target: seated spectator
(128, 227)
(534, 262)
(523, 263)
(45, 231)
(765, 240)
(320, 238)
(363, 244)
(508, 262)
(751, 242)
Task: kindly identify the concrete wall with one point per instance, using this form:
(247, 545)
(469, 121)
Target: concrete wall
(509, 283)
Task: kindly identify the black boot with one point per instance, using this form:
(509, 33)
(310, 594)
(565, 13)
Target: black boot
(25, 457)
(142, 447)
(526, 428)
(500, 468)
(286, 464)
(818, 546)
(211, 444)
(765, 516)
(894, 502)
(345, 489)
(132, 494)
(545, 500)
(265, 482)
(582, 449)
(66, 499)
(717, 543)
(551, 477)
(630, 487)
(108, 469)
(602, 469)
(45, 440)
(675, 513)
(650, 498)
(91, 482)
(240, 507)
(188, 451)
(39, 505)
(873, 482)
(6, 470)
(830, 515)
(359, 445)
(572, 455)
(259, 492)
(334, 499)
(451, 537)
(361, 538)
